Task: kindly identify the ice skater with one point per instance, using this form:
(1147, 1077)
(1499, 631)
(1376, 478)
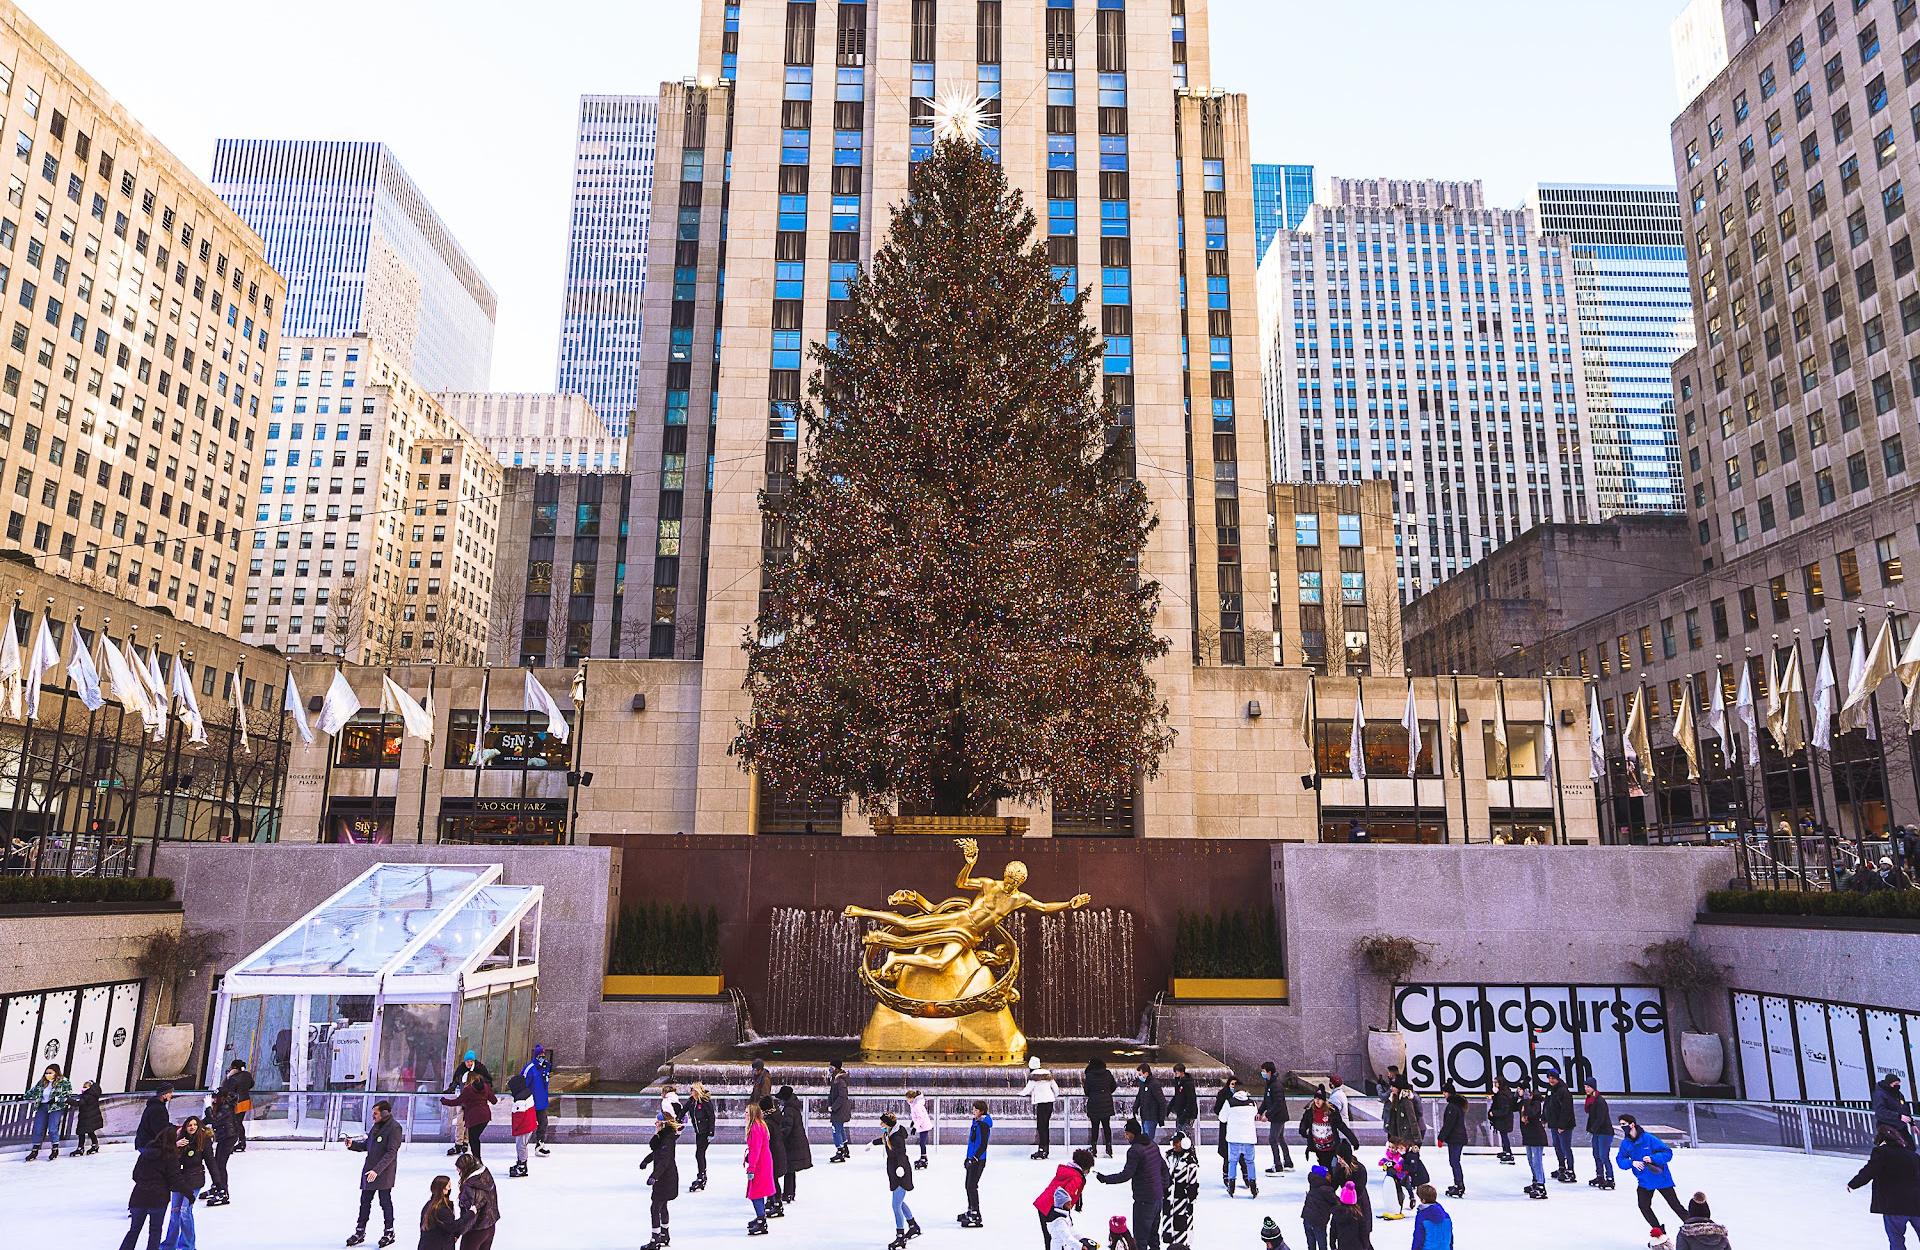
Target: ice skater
(663, 1186)
(921, 1117)
(798, 1156)
(538, 1072)
(1432, 1226)
(1453, 1135)
(1600, 1133)
(1149, 1104)
(440, 1223)
(190, 1150)
(1239, 1135)
(762, 1183)
(1097, 1088)
(701, 1111)
(1348, 1228)
(152, 1181)
(238, 1085)
(1316, 1209)
(1892, 1170)
(225, 1126)
(49, 1097)
(474, 1099)
(1041, 1093)
(1146, 1172)
(839, 1109)
(979, 1137)
(1184, 1107)
(88, 1120)
(1558, 1113)
(479, 1203)
(1648, 1156)
(1323, 1129)
(1502, 1106)
(1533, 1138)
(381, 1145)
(1060, 1199)
(1183, 1192)
(893, 1137)
(777, 1143)
(522, 1121)
(1274, 1114)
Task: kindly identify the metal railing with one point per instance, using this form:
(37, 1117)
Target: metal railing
(320, 1119)
(57, 854)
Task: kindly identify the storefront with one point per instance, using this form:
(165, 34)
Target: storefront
(355, 819)
(89, 1030)
(520, 822)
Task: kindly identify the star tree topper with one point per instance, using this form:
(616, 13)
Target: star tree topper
(959, 115)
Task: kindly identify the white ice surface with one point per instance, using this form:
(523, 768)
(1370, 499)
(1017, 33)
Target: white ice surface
(592, 1198)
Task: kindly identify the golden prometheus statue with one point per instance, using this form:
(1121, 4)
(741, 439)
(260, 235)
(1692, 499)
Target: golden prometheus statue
(949, 971)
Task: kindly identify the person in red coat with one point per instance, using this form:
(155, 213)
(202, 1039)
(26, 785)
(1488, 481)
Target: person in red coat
(525, 1122)
(761, 1182)
(475, 1101)
(1062, 1194)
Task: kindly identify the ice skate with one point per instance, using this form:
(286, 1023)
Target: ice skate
(95, 1149)
(386, 1238)
(913, 1228)
(899, 1242)
(33, 1154)
(55, 1154)
(518, 1169)
(358, 1236)
(1455, 1191)
(756, 1228)
(1253, 1188)
(969, 1219)
(699, 1183)
(541, 1149)
(1536, 1191)
(455, 1149)
(921, 1163)
(1229, 1187)
(1273, 1171)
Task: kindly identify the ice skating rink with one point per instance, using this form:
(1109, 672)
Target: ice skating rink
(593, 1198)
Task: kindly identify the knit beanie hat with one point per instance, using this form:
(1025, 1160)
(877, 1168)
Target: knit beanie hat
(1033, 1063)
(1269, 1231)
(1316, 1170)
(1347, 1195)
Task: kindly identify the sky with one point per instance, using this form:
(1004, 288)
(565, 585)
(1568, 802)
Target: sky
(477, 98)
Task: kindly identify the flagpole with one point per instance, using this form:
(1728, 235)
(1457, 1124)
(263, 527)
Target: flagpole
(1853, 784)
(426, 766)
(1813, 771)
(1439, 755)
(60, 731)
(576, 750)
(230, 784)
(1506, 749)
(282, 742)
(1313, 718)
(1699, 754)
(1413, 762)
(169, 761)
(1458, 750)
(1366, 780)
(380, 760)
(478, 756)
(1880, 743)
(1551, 717)
(130, 805)
(526, 756)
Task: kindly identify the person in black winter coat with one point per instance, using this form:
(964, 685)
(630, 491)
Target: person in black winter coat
(1097, 1086)
(1501, 1108)
(1273, 1112)
(440, 1222)
(225, 1126)
(381, 1145)
(191, 1146)
(152, 1188)
(155, 1123)
(1317, 1209)
(1453, 1135)
(798, 1156)
(665, 1181)
(1891, 1109)
(1147, 1173)
(1894, 1172)
(893, 1136)
(702, 1114)
(777, 1144)
(1533, 1136)
(88, 1120)
(1557, 1109)
(1184, 1107)
(1149, 1104)
(1350, 1169)
(1325, 1130)
(237, 1085)
(1600, 1129)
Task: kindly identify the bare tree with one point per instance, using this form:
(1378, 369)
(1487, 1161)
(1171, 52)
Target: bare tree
(347, 619)
(1386, 636)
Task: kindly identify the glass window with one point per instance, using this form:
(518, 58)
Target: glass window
(1306, 529)
(1523, 760)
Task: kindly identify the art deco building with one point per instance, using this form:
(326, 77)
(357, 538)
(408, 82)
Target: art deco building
(607, 253)
(555, 433)
(142, 315)
(363, 252)
(802, 129)
(1282, 197)
(1417, 335)
(378, 514)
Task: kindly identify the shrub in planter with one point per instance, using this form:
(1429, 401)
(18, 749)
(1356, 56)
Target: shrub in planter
(664, 939)
(85, 890)
(1235, 944)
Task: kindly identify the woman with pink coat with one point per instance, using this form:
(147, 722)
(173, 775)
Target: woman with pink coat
(761, 1182)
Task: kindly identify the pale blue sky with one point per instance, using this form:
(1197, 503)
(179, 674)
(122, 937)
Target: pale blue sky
(477, 97)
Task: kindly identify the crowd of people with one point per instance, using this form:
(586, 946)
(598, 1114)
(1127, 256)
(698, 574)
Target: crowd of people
(179, 1165)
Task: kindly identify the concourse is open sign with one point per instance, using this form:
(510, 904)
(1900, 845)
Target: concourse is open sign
(1468, 1034)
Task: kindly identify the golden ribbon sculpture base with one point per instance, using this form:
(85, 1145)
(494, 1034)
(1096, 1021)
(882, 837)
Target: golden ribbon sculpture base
(979, 1037)
(949, 971)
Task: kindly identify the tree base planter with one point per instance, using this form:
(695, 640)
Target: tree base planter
(170, 1050)
(1703, 1057)
(1230, 989)
(952, 826)
(1386, 1048)
(626, 986)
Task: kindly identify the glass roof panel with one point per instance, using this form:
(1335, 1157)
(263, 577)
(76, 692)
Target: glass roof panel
(469, 934)
(360, 932)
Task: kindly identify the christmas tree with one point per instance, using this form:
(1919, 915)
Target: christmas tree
(958, 616)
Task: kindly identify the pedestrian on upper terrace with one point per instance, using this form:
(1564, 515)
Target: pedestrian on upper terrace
(1892, 877)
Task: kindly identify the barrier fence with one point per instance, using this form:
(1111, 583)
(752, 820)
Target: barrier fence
(321, 1119)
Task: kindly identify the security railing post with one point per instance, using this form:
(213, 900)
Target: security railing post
(1693, 1124)
(1806, 1130)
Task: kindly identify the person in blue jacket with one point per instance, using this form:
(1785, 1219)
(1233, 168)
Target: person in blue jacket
(1432, 1226)
(979, 1135)
(535, 1075)
(1648, 1157)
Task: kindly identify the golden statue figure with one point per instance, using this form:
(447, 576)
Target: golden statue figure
(950, 970)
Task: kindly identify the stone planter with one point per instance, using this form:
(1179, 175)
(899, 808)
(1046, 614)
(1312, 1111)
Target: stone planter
(1230, 989)
(621, 985)
(170, 1050)
(951, 826)
(1703, 1057)
(1385, 1048)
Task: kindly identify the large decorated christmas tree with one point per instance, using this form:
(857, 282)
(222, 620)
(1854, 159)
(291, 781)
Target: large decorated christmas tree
(958, 617)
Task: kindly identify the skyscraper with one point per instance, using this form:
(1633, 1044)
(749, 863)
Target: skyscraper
(607, 253)
(1282, 197)
(804, 124)
(1416, 334)
(1636, 317)
(363, 252)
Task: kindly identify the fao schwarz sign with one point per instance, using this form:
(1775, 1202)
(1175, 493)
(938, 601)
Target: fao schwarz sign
(1615, 1035)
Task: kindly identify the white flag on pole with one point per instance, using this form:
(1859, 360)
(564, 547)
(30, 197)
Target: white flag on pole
(296, 708)
(1596, 736)
(538, 700)
(189, 703)
(44, 659)
(1411, 720)
(1717, 714)
(84, 673)
(340, 706)
(1549, 731)
(148, 669)
(416, 720)
(129, 688)
(1745, 712)
(1356, 743)
(1823, 699)
(11, 665)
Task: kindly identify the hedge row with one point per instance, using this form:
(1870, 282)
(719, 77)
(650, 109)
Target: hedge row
(85, 890)
(1879, 905)
(659, 939)
(1232, 944)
